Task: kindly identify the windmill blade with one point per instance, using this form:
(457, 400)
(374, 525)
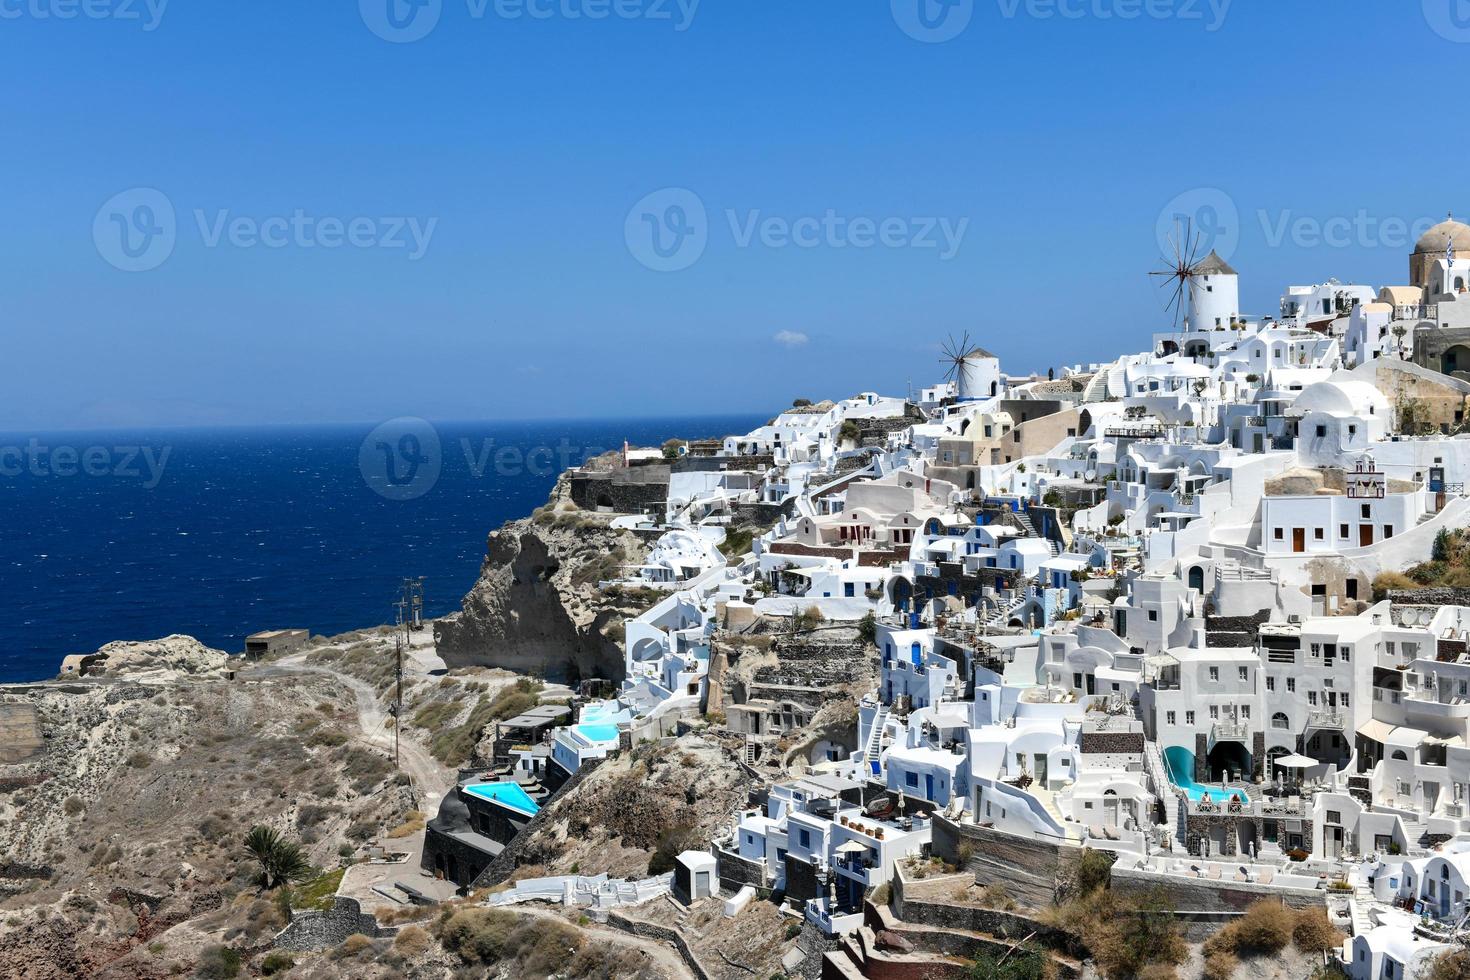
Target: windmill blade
(954, 355)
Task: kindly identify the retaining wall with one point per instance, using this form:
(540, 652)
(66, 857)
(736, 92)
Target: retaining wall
(1004, 925)
(649, 930)
(312, 931)
(1029, 869)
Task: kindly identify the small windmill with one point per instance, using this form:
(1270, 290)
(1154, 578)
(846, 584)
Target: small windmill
(954, 354)
(1182, 269)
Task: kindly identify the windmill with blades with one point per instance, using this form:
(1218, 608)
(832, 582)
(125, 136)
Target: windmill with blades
(973, 369)
(1203, 291)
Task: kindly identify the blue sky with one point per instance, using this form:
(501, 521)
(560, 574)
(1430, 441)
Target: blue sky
(1051, 138)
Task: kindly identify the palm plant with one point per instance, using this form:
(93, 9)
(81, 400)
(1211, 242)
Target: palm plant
(281, 861)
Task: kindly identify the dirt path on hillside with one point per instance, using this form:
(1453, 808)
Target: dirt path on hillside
(665, 958)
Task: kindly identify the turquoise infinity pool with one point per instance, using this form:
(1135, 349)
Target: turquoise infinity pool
(1180, 762)
(507, 794)
(599, 733)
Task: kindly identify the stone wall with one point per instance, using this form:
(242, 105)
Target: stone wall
(1430, 597)
(1234, 631)
(813, 663)
(735, 872)
(648, 930)
(1003, 925)
(311, 931)
(867, 558)
(802, 881)
(599, 490)
(1203, 905)
(763, 515)
(1028, 868)
(1111, 743)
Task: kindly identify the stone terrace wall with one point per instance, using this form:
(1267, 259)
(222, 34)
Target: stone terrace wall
(1028, 868)
(649, 930)
(1003, 925)
(815, 663)
(1202, 905)
(948, 941)
(1443, 596)
(311, 931)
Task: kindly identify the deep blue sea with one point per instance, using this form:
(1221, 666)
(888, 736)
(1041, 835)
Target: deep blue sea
(220, 533)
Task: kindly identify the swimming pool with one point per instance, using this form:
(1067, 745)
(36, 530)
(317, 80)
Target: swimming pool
(1180, 762)
(507, 794)
(598, 733)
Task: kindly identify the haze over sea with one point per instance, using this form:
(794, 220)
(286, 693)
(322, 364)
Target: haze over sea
(219, 533)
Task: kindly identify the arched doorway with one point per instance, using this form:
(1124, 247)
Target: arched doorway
(1272, 754)
(903, 594)
(1197, 578)
(1455, 358)
(1227, 756)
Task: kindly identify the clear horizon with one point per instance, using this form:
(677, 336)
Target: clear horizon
(307, 215)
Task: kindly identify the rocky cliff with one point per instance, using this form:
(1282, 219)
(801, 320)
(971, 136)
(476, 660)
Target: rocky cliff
(536, 607)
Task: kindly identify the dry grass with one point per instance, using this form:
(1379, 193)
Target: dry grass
(413, 823)
(1220, 966)
(1267, 927)
(1314, 933)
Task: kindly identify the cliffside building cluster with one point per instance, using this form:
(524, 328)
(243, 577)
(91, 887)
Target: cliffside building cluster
(1130, 606)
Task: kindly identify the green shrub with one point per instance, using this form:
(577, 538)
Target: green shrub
(326, 737)
(1020, 964)
(364, 768)
(737, 542)
(671, 843)
(1094, 870)
(478, 935)
(218, 963)
(276, 962)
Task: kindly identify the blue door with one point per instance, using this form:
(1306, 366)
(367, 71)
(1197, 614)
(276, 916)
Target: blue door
(929, 787)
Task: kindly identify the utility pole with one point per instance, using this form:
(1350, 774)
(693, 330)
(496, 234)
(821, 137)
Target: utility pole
(410, 606)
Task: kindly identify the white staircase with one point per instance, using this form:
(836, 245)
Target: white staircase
(1358, 908)
(1154, 763)
(874, 746)
(999, 619)
(1097, 388)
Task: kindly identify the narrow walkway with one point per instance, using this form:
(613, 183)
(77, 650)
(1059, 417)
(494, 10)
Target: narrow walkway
(662, 957)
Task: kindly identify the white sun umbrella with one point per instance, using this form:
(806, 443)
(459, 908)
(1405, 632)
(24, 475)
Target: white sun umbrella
(1296, 762)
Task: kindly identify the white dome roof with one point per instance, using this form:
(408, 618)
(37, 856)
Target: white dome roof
(1342, 398)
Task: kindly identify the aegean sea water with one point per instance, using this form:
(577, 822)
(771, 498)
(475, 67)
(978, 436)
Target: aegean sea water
(218, 533)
